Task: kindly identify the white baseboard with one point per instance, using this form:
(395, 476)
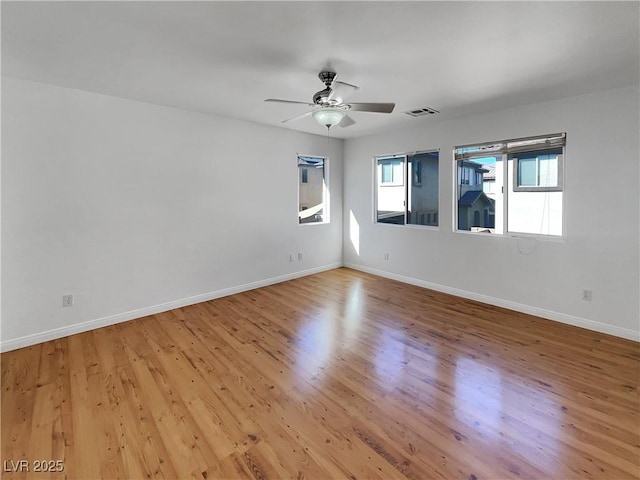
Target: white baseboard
(518, 307)
(28, 340)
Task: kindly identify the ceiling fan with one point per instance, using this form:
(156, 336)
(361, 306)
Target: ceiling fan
(329, 106)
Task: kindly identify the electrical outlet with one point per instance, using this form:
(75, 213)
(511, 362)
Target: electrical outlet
(299, 255)
(67, 300)
(292, 257)
(386, 257)
(586, 295)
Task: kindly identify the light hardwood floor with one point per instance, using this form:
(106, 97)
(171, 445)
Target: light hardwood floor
(338, 375)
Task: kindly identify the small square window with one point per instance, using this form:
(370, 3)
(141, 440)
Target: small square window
(537, 171)
(391, 172)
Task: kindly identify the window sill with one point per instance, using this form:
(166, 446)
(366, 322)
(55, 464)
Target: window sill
(410, 225)
(529, 236)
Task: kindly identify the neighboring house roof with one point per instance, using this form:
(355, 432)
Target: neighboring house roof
(311, 161)
(384, 214)
(471, 197)
(478, 167)
(491, 173)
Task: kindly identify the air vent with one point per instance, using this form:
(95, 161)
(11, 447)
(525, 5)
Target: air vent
(422, 111)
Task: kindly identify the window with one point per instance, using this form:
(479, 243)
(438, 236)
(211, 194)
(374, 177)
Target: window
(312, 190)
(414, 201)
(536, 171)
(392, 172)
(512, 186)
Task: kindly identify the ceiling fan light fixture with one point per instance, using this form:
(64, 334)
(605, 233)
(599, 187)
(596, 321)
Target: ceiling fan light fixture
(328, 104)
(329, 116)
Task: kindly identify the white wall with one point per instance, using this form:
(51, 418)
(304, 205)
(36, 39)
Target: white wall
(599, 250)
(135, 208)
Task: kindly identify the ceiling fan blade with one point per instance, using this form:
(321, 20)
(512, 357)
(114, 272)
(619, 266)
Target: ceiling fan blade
(372, 107)
(341, 90)
(277, 100)
(346, 121)
(297, 117)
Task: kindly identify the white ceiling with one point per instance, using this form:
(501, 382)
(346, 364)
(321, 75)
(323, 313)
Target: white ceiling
(225, 58)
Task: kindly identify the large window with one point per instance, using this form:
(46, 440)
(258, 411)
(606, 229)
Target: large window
(511, 186)
(312, 190)
(406, 189)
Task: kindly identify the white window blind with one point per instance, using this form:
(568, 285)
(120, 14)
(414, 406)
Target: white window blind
(541, 142)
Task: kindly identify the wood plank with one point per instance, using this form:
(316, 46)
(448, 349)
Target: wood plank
(336, 375)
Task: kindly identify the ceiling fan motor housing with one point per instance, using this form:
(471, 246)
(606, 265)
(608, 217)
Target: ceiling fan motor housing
(327, 77)
(321, 97)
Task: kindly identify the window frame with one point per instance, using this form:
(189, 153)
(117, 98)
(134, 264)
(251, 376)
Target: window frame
(502, 153)
(408, 177)
(326, 218)
(391, 161)
(537, 188)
